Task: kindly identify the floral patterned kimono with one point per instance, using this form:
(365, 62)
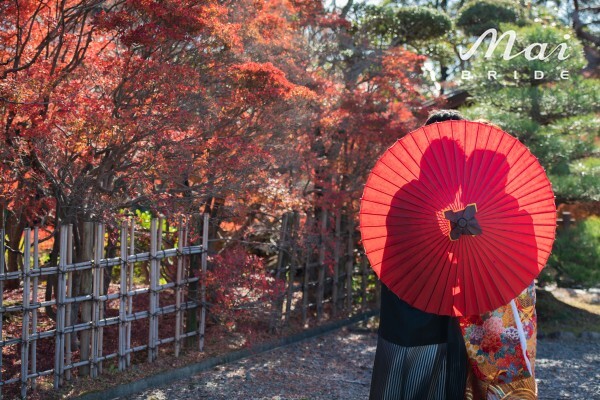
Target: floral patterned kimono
(498, 367)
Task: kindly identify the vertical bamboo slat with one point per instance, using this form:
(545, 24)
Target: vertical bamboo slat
(25, 327)
(336, 263)
(350, 263)
(94, 355)
(123, 300)
(129, 289)
(363, 283)
(281, 256)
(321, 266)
(293, 261)
(178, 291)
(100, 293)
(159, 247)
(34, 295)
(96, 283)
(204, 261)
(2, 237)
(68, 308)
(60, 310)
(305, 285)
(153, 293)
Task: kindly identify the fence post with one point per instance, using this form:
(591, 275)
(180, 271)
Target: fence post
(336, 263)
(305, 287)
(34, 317)
(191, 320)
(153, 293)
(363, 282)
(204, 261)
(96, 284)
(350, 263)
(321, 266)
(68, 308)
(279, 268)
(293, 260)
(129, 289)
(85, 288)
(159, 247)
(2, 251)
(25, 327)
(566, 220)
(123, 300)
(101, 269)
(178, 291)
(60, 311)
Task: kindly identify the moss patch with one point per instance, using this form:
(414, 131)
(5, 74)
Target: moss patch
(566, 313)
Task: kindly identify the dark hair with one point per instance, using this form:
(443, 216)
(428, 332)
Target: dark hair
(443, 115)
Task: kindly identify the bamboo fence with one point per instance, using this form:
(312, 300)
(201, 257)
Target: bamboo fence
(330, 279)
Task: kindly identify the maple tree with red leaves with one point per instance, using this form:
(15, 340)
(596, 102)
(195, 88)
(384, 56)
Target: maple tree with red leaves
(246, 109)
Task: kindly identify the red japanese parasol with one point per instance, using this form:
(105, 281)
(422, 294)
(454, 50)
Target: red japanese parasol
(457, 218)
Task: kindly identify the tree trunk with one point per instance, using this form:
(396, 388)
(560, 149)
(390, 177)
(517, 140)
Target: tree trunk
(52, 282)
(14, 230)
(191, 320)
(84, 287)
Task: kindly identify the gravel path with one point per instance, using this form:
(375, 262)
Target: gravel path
(338, 366)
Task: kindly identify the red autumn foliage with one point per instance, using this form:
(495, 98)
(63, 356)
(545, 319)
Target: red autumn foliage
(108, 107)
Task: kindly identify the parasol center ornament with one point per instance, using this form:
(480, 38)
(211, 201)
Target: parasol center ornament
(463, 222)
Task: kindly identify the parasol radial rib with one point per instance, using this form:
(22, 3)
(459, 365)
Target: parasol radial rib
(481, 182)
(499, 190)
(512, 269)
(417, 284)
(405, 207)
(540, 212)
(510, 235)
(532, 202)
(480, 295)
(382, 259)
(398, 208)
(500, 283)
(413, 273)
(443, 168)
(481, 142)
(395, 172)
(525, 276)
(384, 185)
(380, 232)
(401, 144)
(412, 252)
(488, 187)
(464, 285)
(414, 199)
(527, 199)
(433, 186)
(450, 282)
(443, 278)
(469, 148)
(499, 279)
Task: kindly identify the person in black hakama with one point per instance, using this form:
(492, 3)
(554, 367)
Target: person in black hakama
(419, 356)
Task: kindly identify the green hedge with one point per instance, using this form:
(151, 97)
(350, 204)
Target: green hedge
(477, 17)
(575, 259)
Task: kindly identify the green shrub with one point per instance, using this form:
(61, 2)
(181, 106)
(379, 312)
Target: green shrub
(575, 260)
(405, 24)
(421, 23)
(477, 17)
(579, 181)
